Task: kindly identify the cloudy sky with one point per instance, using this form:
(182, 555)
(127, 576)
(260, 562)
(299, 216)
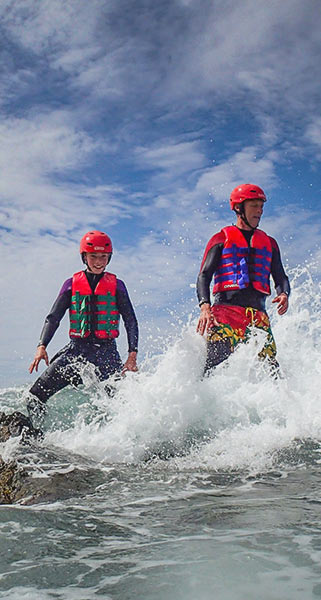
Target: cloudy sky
(138, 118)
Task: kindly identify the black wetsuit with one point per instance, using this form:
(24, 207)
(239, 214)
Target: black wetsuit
(102, 353)
(247, 297)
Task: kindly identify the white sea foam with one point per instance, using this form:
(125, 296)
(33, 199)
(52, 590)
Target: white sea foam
(237, 418)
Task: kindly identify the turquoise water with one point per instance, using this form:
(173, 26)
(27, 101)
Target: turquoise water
(231, 510)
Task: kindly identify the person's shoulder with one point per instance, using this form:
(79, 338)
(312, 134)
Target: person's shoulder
(217, 238)
(66, 286)
(274, 243)
(121, 287)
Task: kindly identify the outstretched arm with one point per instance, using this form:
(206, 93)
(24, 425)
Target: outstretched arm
(51, 324)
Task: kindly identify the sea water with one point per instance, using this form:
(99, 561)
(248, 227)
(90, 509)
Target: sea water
(206, 489)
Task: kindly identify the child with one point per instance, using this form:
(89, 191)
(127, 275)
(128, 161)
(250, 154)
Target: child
(95, 299)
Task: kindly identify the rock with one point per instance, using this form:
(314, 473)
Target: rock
(17, 485)
(11, 481)
(17, 424)
(19, 482)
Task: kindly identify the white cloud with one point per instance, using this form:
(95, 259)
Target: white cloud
(147, 86)
(171, 161)
(178, 51)
(244, 166)
(32, 153)
(313, 135)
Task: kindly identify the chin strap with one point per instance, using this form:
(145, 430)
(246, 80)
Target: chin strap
(241, 213)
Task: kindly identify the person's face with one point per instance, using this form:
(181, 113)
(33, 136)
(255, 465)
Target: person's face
(253, 211)
(97, 261)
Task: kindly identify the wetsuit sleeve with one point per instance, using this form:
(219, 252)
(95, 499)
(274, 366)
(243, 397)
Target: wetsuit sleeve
(280, 279)
(126, 310)
(52, 321)
(210, 262)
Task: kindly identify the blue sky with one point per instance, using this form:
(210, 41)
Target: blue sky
(139, 118)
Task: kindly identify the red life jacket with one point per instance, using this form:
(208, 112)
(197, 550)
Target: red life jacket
(241, 265)
(96, 309)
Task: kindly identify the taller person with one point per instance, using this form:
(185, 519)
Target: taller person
(241, 258)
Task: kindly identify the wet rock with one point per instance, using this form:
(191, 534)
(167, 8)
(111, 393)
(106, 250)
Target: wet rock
(20, 483)
(12, 479)
(17, 424)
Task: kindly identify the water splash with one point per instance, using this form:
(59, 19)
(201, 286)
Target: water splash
(238, 418)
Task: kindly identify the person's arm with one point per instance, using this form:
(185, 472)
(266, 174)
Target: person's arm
(281, 281)
(209, 264)
(127, 312)
(52, 321)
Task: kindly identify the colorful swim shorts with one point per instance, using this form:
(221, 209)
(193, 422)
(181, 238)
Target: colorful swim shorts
(237, 324)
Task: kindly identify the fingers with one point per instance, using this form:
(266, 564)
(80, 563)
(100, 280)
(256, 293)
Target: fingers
(132, 369)
(283, 303)
(126, 369)
(41, 355)
(282, 309)
(201, 325)
(34, 365)
(206, 323)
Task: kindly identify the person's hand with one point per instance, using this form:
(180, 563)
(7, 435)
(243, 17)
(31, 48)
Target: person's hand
(130, 364)
(206, 319)
(41, 354)
(283, 303)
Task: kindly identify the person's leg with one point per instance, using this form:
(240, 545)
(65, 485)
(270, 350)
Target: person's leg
(217, 352)
(106, 359)
(269, 351)
(220, 345)
(61, 372)
(109, 362)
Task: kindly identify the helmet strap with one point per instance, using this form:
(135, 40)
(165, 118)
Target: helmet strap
(242, 214)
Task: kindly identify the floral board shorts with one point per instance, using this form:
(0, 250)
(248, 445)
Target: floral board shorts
(237, 324)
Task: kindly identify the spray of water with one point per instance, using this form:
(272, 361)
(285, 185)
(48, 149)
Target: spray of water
(238, 418)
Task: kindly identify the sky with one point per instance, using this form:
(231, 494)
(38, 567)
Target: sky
(138, 118)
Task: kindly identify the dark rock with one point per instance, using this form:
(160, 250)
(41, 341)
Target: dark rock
(18, 424)
(19, 482)
(12, 479)
(17, 485)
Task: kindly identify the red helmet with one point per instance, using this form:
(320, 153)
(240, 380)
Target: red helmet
(246, 191)
(95, 241)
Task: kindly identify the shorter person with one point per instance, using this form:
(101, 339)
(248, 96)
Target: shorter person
(241, 258)
(95, 299)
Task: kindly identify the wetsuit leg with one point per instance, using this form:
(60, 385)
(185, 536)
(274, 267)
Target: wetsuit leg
(221, 341)
(217, 352)
(61, 372)
(104, 356)
(108, 361)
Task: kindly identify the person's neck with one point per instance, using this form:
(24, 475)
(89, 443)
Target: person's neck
(88, 272)
(241, 225)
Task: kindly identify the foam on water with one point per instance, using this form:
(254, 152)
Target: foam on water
(238, 418)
